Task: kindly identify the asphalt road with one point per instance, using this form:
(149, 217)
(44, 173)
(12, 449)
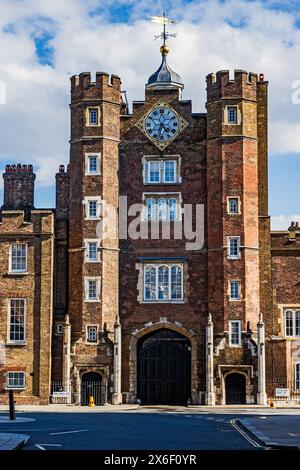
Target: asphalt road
(130, 431)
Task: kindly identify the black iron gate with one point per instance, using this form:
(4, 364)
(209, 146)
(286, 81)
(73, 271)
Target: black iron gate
(235, 389)
(164, 368)
(91, 386)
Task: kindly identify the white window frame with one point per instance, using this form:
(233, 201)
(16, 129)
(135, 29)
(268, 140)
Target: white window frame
(87, 164)
(88, 111)
(293, 311)
(230, 198)
(86, 289)
(87, 241)
(148, 159)
(59, 328)
(169, 266)
(15, 341)
(87, 334)
(235, 345)
(18, 271)
(230, 256)
(297, 379)
(167, 196)
(10, 387)
(234, 299)
(86, 202)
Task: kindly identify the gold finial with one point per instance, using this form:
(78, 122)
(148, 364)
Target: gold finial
(164, 49)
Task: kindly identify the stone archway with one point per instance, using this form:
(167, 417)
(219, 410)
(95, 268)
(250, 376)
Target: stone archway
(137, 334)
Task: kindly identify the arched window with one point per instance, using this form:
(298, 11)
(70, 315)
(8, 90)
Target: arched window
(176, 282)
(150, 282)
(151, 209)
(163, 282)
(172, 208)
(162, 209)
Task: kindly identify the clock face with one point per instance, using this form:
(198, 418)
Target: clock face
(161, 124)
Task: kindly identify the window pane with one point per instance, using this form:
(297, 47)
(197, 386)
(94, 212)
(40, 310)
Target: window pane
(92, 209)
(162, 209)
(235, 332)
(17, 320)
(18, 257)
(234, 290)
(163, 282)
(297, 323)
(232, 115)
(93, 164)
(172, 207)
(176, 282)
(92, 334)
(93, 116)
(92, 251)
(92, 290)
(150, 283)
(16, 380)
(151, 209)
(170, 171)
(233, 205)
(234, 247)
(154, 172)
(289, 323)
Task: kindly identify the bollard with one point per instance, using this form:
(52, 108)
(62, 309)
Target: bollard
(272, 403)
(91, 401)
(12, 411)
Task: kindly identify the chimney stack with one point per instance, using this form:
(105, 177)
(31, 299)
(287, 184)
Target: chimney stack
(18, 187)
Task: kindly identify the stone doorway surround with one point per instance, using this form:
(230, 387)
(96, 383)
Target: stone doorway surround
(149, 328)
(81, 369)
(246, 370)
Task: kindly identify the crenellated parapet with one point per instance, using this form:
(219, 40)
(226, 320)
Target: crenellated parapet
(104, 86)
(243, 85)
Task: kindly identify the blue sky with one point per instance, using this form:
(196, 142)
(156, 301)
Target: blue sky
(43, 43)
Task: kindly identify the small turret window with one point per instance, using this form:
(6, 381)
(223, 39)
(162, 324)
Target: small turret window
(93, 116)
(232, 115)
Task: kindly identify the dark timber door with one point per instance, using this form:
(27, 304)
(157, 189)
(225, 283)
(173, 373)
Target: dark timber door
(91, 386)
(164, 368)
(235, 389)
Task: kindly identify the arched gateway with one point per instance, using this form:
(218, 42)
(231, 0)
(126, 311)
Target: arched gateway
(164, 368)
(91, 386)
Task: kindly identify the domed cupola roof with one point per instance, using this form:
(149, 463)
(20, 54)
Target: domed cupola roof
(164, 78)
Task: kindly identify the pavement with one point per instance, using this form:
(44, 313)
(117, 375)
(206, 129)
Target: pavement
(279, 431)
(133, 427)
(12, 441)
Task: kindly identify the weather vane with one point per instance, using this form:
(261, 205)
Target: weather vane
(164, 21)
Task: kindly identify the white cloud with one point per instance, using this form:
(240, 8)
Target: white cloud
(35, 120)
(282, 222)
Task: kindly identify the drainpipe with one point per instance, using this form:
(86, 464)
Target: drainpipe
(117, 395)
(210, 394)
